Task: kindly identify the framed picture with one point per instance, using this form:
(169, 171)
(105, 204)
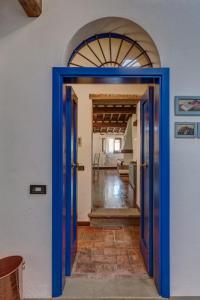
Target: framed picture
(185, 129)
(198, 130)
(187, 105)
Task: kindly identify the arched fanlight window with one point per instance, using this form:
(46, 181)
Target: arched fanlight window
(110, 50)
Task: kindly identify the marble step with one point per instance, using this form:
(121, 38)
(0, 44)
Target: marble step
(114, 217)
(132, 288)
(114, 298)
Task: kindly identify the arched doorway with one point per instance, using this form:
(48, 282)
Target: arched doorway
(110, 30)
(133, 70)
(110, 50)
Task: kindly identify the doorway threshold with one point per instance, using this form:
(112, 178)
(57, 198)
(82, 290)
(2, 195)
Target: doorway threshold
(121, 288)
(114, 217)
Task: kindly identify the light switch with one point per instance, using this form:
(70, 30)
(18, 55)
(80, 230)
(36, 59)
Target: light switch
(81, 168)
(38, 189)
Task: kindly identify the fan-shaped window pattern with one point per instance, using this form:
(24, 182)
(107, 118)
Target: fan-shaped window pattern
(110, 50)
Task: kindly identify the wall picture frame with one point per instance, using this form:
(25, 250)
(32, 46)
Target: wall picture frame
(185, 130)
(187, 105)
(198, 130)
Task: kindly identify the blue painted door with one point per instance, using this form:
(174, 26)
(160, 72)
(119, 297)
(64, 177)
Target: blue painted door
(158, 198)
(146, 177)
(71, 179)
(59, 191)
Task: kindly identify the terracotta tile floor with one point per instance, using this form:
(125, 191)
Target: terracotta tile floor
(112, 252)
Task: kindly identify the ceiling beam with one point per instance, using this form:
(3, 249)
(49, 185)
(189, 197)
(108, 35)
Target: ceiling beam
(114, 110)
(33, 8)
(109, 125)
(115, 97)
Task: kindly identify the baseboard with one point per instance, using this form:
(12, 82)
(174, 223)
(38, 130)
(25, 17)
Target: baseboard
(38, 298)
(83, 223)
(123, 174)
(106, 168)
(127, 151)
(185, 298)
(141, 298)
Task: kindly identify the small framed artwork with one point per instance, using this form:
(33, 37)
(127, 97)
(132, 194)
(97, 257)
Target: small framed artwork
(185, 130)
(198, 130)
(187, 106)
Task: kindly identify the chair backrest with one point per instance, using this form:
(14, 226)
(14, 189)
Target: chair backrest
(96, 158)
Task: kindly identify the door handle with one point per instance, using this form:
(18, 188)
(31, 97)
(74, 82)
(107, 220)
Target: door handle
(143, 165)
(73, 165)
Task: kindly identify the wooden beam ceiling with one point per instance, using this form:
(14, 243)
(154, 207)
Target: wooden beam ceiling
(115, 97)
(111, 112)
(109, 125)
(33, 8)
(115, 110)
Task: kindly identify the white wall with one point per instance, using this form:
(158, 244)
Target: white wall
(85, 132)
(84, 152)
(97, 148)
(136, 150)
(135, 137)
(29, 48)
(128, 143)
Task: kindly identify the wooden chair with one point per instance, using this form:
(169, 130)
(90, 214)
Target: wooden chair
(96, 161)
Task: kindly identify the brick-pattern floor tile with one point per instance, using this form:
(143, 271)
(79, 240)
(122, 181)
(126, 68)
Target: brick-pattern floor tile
(113, 252)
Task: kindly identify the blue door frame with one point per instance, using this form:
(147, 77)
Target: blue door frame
(160, 77)
(71, 185)
(146, 178)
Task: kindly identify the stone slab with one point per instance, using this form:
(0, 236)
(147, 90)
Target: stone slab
(110, 288)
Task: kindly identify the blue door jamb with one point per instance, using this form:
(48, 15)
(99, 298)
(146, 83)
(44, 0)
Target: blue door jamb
(164, 143)
(147, 247)
(57, 187)
(111, 75)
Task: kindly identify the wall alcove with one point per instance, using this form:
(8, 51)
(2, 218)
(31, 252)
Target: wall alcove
(112, 42)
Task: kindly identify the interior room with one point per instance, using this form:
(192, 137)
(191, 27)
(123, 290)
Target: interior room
(86, 138)
(108, 189)
(114, 160)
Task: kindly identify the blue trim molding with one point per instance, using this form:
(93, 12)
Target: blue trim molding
(57, 183)
(112, 75)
